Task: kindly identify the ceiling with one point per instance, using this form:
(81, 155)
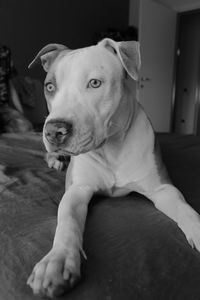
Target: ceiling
(181, 5)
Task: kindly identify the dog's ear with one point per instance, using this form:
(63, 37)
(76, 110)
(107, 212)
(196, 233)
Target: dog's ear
(47, 55)
(128, 53)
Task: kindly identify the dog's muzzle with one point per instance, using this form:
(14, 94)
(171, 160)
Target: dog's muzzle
(57, 132)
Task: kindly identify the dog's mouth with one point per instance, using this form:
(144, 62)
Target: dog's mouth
(85, 147)
(76, 148)
(82, 140)
(100, 144)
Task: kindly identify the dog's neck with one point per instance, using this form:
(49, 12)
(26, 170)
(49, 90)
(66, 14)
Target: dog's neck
(120, 123)
(125, 113)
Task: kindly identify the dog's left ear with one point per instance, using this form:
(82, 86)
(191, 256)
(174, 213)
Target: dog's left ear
(128, 53)
(47, 55)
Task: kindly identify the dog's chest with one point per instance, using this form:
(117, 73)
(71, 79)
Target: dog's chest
(121, 164)
(132, 160)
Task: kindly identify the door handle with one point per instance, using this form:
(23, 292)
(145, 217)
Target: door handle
(144, 79)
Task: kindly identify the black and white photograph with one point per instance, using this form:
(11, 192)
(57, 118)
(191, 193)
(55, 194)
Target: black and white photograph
(100, 149)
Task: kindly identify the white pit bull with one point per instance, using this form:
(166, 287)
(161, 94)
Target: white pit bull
(96, 118)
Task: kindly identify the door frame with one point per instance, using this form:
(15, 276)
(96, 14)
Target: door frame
(175, 68)
(176, 59)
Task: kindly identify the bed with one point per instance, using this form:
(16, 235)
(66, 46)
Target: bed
(133, 250)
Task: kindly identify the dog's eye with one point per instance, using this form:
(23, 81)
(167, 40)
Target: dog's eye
(50, 87)
(94, 83)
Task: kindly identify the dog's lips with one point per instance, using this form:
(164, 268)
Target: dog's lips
(100, 144)
(65, 151)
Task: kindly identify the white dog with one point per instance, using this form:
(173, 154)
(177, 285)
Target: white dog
(96, 118)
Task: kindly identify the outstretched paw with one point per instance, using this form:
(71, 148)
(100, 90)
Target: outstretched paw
(56, 273)
(189, 222)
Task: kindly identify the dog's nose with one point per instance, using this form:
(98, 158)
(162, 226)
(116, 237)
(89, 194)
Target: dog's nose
(57, 132)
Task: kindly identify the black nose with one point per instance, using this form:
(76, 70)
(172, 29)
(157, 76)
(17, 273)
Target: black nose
(57, 132)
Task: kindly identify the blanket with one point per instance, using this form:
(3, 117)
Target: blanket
(133, 250)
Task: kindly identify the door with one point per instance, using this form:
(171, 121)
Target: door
(157, 28)
(187, 83)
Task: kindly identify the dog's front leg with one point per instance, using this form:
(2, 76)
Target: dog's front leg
(60, 268)
(168, 199)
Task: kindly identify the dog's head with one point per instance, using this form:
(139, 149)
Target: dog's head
(83, 89)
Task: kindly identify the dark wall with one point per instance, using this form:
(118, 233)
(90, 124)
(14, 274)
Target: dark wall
(27, 25)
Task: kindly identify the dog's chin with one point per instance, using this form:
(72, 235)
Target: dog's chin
(79, 150)
(67, 150)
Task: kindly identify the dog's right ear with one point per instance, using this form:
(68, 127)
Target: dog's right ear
(128, 53)
(47, 55)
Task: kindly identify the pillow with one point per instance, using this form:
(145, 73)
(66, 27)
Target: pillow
(12, 120)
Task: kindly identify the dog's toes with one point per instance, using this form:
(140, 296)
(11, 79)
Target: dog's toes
(56, 161)
(52, 276)
(190, 225)
(191, 242)
(30, 279)
(58, 165)
(71, 278)
(194, 241)
(35, 280)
